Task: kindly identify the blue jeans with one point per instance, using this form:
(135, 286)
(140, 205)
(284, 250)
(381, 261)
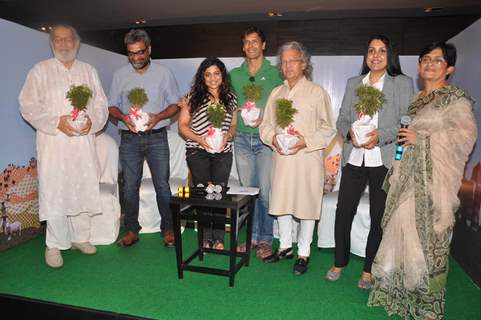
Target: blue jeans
(133, 150)
(253, 160)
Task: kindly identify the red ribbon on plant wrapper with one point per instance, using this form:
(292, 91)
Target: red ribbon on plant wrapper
(75, 113)
(134, 112)
(249, 105)
(210, 131)
(291, 131)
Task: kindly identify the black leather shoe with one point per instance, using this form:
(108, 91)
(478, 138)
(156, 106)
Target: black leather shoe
(301, 266)
(279, 255)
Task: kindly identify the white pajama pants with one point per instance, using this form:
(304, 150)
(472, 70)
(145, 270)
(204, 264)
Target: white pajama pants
(304, 235)
(62, 231)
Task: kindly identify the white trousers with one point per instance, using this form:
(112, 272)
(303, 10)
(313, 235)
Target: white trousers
(304, 235)
(62, 231)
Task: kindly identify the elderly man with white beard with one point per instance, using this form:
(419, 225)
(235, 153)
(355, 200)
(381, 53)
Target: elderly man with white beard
(67, 162)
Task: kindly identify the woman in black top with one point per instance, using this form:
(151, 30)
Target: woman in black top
(210, 85)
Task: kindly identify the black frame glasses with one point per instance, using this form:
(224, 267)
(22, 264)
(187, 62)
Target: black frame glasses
(136, 53)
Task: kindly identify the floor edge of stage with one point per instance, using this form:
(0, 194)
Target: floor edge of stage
(26, 307)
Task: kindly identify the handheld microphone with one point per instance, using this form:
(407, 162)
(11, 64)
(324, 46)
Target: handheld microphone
(405, 122)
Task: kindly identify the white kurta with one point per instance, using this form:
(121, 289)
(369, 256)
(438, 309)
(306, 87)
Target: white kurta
(298, 180)
(67, 166)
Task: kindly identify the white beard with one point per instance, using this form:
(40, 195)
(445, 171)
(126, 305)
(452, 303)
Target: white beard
(65, 56)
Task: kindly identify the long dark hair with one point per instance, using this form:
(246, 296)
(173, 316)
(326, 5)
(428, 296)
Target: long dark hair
(199, 92)
(393, 65)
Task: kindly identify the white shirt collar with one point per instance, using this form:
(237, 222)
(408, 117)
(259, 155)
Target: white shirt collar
(379, 84)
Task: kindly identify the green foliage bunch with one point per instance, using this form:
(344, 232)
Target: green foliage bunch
(79, 96)
(370, 100)
(285, 112)
(252, 92)
(216, 114)
(137, 97)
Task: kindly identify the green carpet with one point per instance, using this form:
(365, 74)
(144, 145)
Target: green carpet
(142, 281)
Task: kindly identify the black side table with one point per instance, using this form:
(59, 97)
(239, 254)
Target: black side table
(238, 208)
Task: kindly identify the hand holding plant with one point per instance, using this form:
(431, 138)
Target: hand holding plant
(250, 113)
(284, 118)
(79, 97)
(370, 102)
(215, 137)
(138, 98)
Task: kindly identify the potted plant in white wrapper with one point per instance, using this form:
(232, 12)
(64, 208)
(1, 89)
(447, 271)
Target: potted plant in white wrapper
(285, 117)
(79, 98)
(215, 137)
(370, 102)
(138, 98)
(250, 113)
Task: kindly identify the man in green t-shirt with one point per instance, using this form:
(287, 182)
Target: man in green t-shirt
(253, 82)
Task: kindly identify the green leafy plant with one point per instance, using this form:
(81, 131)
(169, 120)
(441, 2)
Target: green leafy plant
(137, 97)
(252, 92)
(370, 100)
(284, 112)
(79, 96)
(216, 114)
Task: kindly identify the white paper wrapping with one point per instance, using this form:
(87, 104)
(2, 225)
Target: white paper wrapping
(140, 118)
(215, 139)
(79, 121)
(286, 140)
(250, 113)
(361, 128)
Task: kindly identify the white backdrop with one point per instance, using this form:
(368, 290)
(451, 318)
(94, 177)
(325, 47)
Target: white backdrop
(331, 72)
(25, 48)
(467, 75)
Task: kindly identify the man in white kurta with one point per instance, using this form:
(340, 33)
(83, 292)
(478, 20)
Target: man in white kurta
(67, 162)
(297, 177)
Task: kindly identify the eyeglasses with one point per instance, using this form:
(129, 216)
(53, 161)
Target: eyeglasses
(61, 40)
(286, 62)
(136, 53)
(435, 61)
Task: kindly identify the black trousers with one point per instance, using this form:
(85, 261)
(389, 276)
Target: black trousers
(210, 168)
(353, 183)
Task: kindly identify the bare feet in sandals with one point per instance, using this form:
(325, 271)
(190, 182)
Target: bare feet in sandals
(264, 249)
(334, 273)
(365, 282)
(207, 244)
(242, 247)
(218, 245)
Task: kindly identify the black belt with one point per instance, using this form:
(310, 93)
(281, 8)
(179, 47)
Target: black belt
(143, 133)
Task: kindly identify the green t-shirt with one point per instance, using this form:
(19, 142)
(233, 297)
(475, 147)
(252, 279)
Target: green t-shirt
(267, 77)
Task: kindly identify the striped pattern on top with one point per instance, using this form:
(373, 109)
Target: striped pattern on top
(200, 123)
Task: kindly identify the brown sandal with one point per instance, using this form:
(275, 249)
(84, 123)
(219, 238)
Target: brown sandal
(264, 250)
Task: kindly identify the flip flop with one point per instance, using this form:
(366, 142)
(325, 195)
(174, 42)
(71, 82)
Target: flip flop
(364, 284)
(333, 275)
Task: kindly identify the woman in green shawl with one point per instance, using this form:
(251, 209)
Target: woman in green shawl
(411, 265)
